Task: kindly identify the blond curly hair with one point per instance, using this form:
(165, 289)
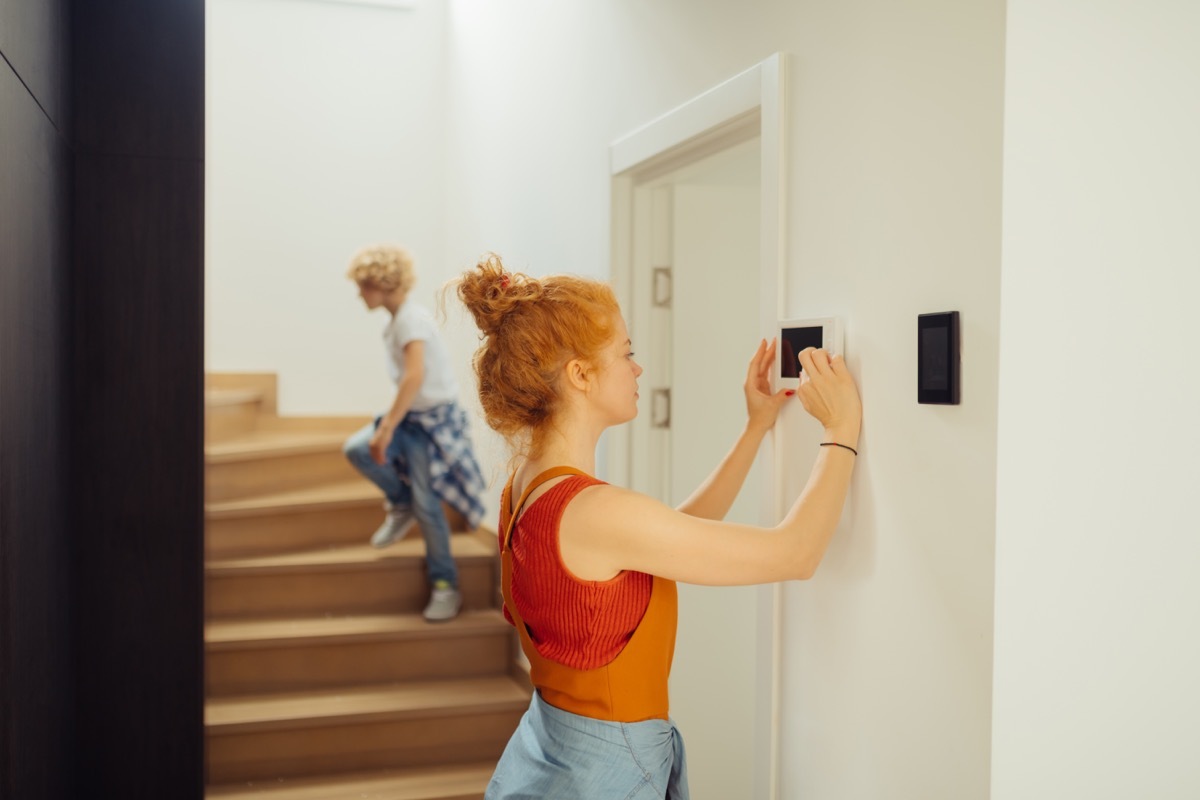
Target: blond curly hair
(384, 267)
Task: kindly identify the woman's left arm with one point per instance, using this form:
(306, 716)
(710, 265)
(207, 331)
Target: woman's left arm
(714, 497)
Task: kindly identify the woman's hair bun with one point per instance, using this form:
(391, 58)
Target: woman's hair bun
(491, 293)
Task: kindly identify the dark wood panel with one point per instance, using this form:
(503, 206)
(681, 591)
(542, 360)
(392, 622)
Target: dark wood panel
(34, 39)
(35, 680)
(139, 77)
(138, 475)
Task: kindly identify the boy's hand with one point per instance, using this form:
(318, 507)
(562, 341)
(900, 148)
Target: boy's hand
(379, 443)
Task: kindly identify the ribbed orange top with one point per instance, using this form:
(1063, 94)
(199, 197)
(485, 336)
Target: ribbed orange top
(582, 624)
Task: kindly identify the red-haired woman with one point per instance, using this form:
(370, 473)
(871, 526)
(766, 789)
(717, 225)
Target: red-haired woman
(589, 569)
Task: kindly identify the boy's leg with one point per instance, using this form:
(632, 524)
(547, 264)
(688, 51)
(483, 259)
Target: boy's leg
(357, 450)
(427, 508)
(399, 519)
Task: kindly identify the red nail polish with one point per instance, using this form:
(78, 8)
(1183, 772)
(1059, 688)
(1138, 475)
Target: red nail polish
(790, 392)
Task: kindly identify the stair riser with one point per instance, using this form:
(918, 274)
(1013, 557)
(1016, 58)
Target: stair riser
(235, 480)
(304, 529)
(225, 422)
(402, 588)
(315, 666)
(427, 741)
(287, 532)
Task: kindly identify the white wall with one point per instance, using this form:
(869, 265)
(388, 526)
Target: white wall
(1097, 598)
(894, 192)
(324, 134)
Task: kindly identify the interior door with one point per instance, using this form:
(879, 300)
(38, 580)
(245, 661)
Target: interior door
(706, 230)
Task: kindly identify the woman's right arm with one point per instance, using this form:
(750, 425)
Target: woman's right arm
(607, 529)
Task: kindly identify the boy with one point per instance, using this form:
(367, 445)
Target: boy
(417, 452)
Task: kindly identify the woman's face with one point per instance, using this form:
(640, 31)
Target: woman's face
(615, 390)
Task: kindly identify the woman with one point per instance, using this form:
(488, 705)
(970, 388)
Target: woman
(589, 569)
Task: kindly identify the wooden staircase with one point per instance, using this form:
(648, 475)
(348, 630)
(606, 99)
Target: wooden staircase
(323, 682)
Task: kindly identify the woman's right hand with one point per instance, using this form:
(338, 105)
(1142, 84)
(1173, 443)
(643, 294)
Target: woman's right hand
(830, 395)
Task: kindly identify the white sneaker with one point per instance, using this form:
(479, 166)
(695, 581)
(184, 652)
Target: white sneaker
(396, 525)
(444, 603)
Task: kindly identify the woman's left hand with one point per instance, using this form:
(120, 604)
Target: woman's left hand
(762, 406)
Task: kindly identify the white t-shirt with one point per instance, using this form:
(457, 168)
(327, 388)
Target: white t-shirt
(414, 323)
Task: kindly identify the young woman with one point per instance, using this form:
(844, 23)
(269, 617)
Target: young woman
(589, 569)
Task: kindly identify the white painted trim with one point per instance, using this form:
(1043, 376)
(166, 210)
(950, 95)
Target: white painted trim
(733, 98)
(759, 89)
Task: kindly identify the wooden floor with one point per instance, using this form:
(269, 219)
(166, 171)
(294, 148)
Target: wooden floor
(322, 679)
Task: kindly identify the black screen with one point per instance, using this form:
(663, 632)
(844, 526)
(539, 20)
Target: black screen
(792, 342)
(935, 359)
(938, 369)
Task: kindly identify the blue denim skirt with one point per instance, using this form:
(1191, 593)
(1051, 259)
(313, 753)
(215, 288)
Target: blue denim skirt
(557, 755)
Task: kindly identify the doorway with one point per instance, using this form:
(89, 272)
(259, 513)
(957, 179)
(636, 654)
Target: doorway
(697, 257)
(702, 224)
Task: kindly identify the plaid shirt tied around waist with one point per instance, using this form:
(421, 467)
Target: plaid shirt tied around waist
(453, 471)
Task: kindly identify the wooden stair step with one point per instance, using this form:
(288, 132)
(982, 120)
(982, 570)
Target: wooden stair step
(329, 496)
(321, 516)
(259, 633)
(248, 656)
(355, 579)
(338, 513)
(459, 782)
(269, 461)
(215, 398)
(343, 705)
(362, 556)
(360, 728)
(230, 413)
(261, 444)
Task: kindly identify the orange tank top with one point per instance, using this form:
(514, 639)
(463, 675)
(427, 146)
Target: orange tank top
(583, 624)
(631, 686)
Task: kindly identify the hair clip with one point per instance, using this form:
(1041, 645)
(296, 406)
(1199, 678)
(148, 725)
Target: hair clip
(503, 282)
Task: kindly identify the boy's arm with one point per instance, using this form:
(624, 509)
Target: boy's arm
(410, 384)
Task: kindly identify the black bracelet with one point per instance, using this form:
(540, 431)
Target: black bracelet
(844, 446)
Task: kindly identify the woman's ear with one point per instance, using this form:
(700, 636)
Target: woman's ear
(578, 374)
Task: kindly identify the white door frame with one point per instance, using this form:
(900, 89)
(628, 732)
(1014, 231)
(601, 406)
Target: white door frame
(699, 127)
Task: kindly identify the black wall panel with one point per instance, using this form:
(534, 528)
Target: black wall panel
(139, 77)
(139, 406)
(35, 590)
(137, 415)
(101, 399)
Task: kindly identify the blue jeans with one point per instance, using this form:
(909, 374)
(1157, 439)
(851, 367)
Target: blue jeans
(557, 754)
(415, 494)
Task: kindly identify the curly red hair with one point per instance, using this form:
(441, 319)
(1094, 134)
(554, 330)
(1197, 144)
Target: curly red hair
(531, 328)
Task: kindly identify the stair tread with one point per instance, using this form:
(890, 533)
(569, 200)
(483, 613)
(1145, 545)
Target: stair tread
(333, 495)
(230, 397)
(233, 634)
(461, 547)
(431, 783)
(343, 705)
(274, 442)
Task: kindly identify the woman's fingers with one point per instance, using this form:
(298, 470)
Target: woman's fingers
(753, 368)
(768, 361)
(818, 360)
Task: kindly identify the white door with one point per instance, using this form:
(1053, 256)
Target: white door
(704, 226)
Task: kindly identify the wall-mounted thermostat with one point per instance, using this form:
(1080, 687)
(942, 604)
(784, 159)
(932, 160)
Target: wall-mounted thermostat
(938, 358)
(796, 335)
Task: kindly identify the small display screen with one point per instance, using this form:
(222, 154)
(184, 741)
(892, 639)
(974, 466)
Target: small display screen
(935, 359)
(792, 341)
(939, 372)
